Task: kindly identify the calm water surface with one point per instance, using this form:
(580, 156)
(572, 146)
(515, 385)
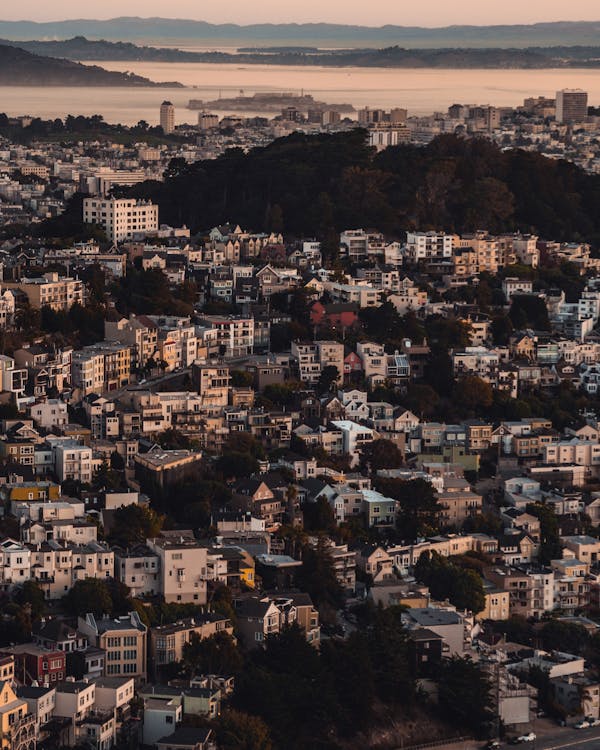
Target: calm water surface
(421, 91)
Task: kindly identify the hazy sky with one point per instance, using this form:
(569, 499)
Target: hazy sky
(374, 13)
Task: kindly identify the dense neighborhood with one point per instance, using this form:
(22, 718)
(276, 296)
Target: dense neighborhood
(273, 489)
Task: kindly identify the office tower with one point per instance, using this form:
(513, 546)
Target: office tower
(571, 105)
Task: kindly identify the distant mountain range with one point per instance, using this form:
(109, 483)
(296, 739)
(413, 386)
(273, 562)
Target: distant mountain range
(21, 68)
(564, 33)
(80, 48)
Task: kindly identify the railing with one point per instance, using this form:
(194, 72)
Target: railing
(437, 743)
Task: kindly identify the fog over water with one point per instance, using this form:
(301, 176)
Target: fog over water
(421, 91)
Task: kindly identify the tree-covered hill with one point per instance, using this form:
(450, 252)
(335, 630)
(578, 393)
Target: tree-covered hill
(21, 68)
(318, 184)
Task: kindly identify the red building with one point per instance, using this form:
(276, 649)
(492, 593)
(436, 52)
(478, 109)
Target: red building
(34, 663)
(352, 365)
(337, 315)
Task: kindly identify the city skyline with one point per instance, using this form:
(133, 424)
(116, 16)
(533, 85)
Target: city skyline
(428, 13)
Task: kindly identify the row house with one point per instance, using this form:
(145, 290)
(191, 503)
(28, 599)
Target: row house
(47, 369)
(139, 332)
(55, 564)
(578, 452)
(124, 640)
(100, 368)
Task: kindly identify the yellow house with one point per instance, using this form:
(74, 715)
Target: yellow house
(33, 491)
(17, 726)
(497, 605)
(247, 570)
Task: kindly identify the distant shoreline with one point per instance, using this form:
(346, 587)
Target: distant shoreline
(396, 57)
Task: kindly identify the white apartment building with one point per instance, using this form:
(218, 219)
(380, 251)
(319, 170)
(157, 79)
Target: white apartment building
(354, 437)
(359, 294)
(308, 363)
(139, 570)
(513, 285)
(50, 413)
(55, 564)
(121, 218)
(73, 461)
(422, 246)
(183, 569)
(356, 244)
(374, 361)
(476, 360)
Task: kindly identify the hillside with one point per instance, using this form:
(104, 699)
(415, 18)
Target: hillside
(21, 68)
(333, 182)
(157, 29)
(81, 48)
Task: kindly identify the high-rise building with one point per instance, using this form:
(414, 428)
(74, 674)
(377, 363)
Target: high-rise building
(571, 105)
(167, 117)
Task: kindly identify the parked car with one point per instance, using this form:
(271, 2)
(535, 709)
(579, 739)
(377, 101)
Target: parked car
(492, 745)
(527, 737)
(582, 724)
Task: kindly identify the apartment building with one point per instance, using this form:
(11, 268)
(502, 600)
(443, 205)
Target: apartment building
(572, 452)
(355, 244)
(306, 356)
(426, 246)
(476, 360)
(458, 502)
(7, 308)
(374, 361)
(17, 724)
(354, 437)
(74, 701)
(212, 382)
(226, 336)
(121, 218)
(138, 568)
(183, 569)
(531, 591)
(50, 290)
(167, 641)
(139, 332)
(331, 354)
(73, 461)
(122, 638)
(361, 295)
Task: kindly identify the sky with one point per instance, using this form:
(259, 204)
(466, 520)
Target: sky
(374, 13)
